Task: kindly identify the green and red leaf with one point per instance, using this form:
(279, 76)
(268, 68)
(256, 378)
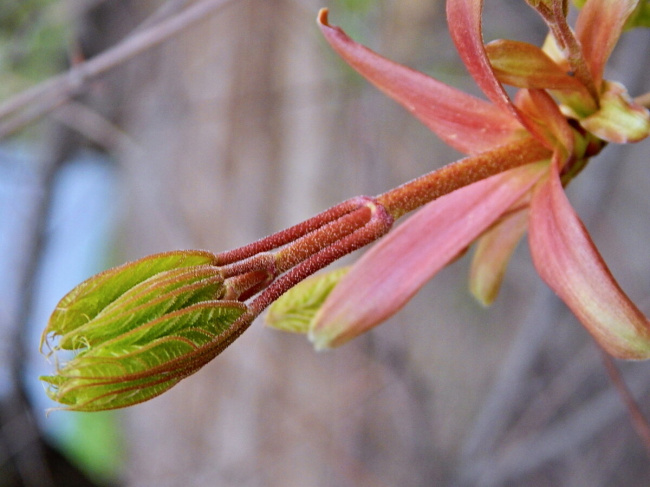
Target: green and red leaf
(492, 254)
(526, 66)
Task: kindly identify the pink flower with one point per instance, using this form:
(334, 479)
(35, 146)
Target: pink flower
(563, 114)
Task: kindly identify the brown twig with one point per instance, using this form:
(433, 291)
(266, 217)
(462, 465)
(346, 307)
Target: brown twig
(639, 421)
(35, 102)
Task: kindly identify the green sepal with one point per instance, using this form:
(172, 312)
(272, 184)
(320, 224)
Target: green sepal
(295, 310)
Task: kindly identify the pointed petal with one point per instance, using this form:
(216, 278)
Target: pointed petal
(493, 252)
(464, 19)
(546, 115)
(388, 276)
(526, 66)
(467, 123)
(598, 27)
(570, 264)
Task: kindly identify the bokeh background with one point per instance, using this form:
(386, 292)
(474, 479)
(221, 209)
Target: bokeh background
(239, 126)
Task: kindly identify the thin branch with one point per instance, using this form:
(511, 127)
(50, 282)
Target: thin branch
(639, 421)
(93, 126)
(35, 102)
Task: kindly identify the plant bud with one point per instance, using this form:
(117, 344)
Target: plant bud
(138, 329)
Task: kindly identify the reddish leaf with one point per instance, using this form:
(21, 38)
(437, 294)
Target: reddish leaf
(546, 115)
(493, 252)
(464, 19)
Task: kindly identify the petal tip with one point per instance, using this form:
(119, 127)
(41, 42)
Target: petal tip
(322, 17)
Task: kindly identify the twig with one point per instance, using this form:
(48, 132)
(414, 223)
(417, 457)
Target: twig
(502, 400)
(39, 100)
(517, 459)
(639, 421)
(94, 126)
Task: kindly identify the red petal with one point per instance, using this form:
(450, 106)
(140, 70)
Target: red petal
(598, 28)
(570, 264)
(388, 276)
(468, 124)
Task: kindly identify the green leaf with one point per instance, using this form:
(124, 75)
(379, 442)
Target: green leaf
(89, 298)
(147, 306)
(294, 310)
(144, 362)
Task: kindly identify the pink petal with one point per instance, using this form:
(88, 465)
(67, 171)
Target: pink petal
(464, 19)
(493, 252)
(598, 27)
(543, 111)
(388, 276)
(570, 264)
(468, 124)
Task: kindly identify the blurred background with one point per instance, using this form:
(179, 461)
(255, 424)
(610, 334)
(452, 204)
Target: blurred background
(244, 123)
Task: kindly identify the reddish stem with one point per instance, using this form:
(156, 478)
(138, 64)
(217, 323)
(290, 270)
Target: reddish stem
(555, 18)
(380, 222)
(290, 234)
(456, 175)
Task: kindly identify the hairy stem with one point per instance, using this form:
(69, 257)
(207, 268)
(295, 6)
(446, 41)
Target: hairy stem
(34, 103)
(418, 192)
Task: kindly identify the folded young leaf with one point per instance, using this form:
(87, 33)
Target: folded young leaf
(90, 297)
(492, 254)
(526, 66)
(144, 362)
(598, 28)
(295, 310)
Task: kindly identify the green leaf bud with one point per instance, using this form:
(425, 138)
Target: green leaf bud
(138, 329)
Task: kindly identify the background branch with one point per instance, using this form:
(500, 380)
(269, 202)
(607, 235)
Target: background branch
(32, 104)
